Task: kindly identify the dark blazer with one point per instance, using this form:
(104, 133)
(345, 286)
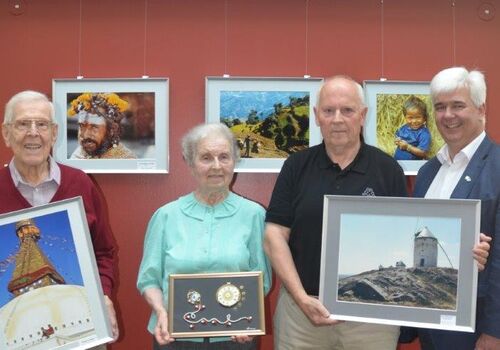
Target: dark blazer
(480, 180)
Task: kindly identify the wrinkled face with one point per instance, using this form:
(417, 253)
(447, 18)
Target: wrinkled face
(340, 114)
(92, 133)
(414, 118)
(213, 164)
(31, 135)
(458, 120)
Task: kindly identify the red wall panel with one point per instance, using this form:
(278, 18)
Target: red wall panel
(187, 40)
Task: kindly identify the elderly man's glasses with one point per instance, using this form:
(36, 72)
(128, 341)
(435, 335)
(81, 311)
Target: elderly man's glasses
(27, 124)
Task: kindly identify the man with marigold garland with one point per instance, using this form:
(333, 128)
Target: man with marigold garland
(99, 116)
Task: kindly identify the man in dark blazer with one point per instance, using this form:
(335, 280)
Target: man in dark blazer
(468, 166)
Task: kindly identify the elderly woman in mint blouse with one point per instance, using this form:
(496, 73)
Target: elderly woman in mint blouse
(208, 230)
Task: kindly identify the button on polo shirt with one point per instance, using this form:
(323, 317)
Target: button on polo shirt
(297, 199)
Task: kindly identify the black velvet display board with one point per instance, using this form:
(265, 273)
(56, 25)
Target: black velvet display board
(196, 304)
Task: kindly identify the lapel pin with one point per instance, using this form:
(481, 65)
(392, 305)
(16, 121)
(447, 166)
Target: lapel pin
(467, 178)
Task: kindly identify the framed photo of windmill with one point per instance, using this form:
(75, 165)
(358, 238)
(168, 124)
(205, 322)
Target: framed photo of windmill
(50, 293)
(400, 261)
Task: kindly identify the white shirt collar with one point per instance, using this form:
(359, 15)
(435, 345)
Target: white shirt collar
(468, 151)
(54, 173)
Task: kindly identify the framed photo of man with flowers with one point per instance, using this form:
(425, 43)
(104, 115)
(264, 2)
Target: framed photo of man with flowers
(112, 125)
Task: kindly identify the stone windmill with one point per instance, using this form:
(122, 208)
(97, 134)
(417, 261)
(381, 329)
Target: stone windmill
(425, 251)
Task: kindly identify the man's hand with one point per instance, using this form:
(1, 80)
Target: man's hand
(161, 330)
(480, 251)
(112, 317)
(487, 342)
(316, 312)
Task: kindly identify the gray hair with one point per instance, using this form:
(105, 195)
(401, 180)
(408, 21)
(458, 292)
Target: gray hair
(451, 79)
(26, 96)
(359, 88)
(191, 139)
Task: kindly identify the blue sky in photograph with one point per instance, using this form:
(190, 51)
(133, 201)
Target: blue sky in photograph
(56, 242)
(368, 241)
(237, 104)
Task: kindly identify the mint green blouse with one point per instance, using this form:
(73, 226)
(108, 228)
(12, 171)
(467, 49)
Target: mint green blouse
(187, 236)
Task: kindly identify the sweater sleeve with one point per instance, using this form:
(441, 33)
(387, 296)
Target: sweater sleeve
(102, 237)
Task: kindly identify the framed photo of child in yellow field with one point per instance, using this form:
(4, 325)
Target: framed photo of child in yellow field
(400, 122)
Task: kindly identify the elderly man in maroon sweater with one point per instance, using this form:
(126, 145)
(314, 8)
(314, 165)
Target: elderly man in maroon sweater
(33, 178)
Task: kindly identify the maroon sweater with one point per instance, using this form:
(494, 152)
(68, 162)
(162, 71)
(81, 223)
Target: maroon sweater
(74, 183)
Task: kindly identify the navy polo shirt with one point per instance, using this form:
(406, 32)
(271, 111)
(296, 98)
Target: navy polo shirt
(297, 199)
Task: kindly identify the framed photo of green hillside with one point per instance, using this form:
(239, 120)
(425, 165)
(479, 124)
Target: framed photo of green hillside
(270, 118)
(400, 261)
(401, 123)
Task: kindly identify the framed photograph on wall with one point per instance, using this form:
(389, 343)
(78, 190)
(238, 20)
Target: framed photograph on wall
(400, 261)
(216, 304)
(50, 291)
(400, 122)
(271, 118)
(112, 125)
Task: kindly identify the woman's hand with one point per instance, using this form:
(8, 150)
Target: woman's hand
(161, 333)
(481, 251)
(241, 338)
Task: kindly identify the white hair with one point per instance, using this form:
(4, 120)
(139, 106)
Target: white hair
(191, 139)
(451, 79)
(26, 96)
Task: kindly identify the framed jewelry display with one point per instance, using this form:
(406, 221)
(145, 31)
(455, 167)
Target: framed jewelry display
(216, 304)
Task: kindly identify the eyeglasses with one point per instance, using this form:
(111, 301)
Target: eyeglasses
(26, 125)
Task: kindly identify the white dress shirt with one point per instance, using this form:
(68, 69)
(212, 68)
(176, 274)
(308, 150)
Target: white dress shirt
(451, 170)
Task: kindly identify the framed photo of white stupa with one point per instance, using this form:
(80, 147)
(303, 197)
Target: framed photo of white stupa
(400, 261)
(50, 293)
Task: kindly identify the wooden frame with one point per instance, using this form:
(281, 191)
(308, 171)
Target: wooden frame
(216, 304)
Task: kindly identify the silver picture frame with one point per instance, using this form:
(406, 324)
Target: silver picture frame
(50, 292)
(284, 103)
(400, 261)
(144, 129)
(385, 101)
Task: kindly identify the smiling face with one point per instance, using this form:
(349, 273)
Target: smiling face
(414, 118)
(31, 147)
(213, 165)
(458, 120)
(340, 114)
(91, 137)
